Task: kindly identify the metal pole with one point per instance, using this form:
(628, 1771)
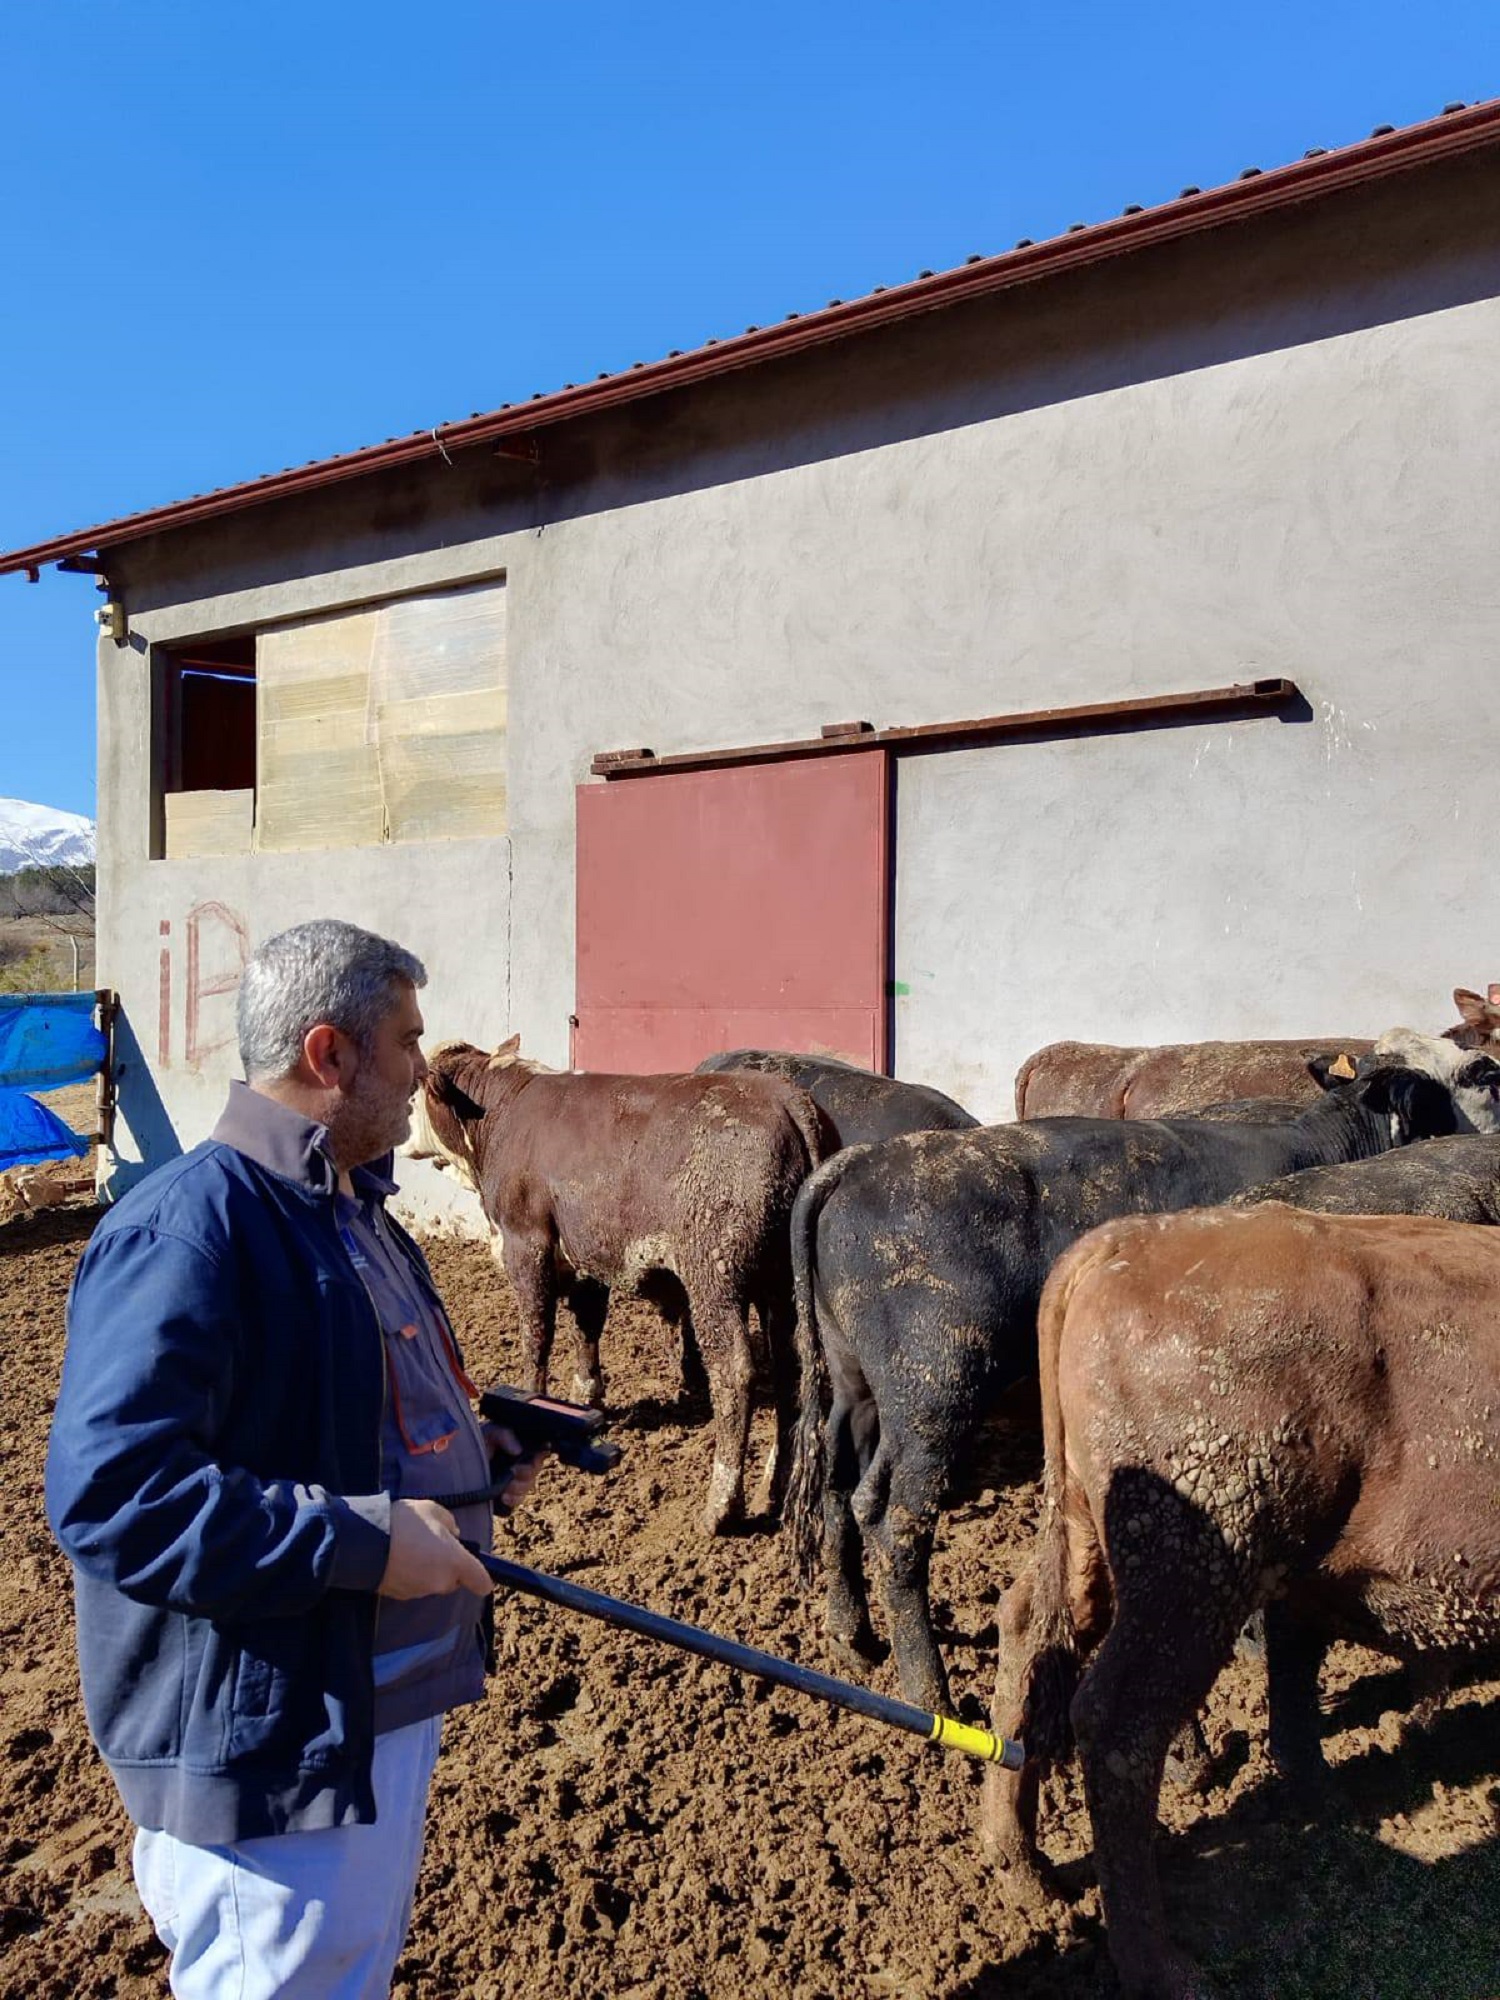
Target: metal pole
(74, 942)
(940, 1729)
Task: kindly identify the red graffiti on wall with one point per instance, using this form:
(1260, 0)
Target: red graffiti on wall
(202, 985)
(218, 944)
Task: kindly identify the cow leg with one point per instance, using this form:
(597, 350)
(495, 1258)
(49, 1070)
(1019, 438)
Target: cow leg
(849, 1451)
(901, 1532)
(1010, 1800)
(1294, 1655)
(778, 1320)
(692, 1377)
(672, 1302)
(589, 1304)
(724, 1336)
(1171, 1636)
(1431, 1676)
(528, 1265)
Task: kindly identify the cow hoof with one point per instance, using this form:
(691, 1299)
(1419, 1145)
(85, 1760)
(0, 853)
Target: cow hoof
(588, 1390)
(726, 1504)
(857, 1649)
(1025, 1884)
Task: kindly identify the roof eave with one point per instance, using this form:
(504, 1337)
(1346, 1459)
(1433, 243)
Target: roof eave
(1312, 178)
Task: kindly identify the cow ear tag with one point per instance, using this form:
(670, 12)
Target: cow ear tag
(1342, 1066)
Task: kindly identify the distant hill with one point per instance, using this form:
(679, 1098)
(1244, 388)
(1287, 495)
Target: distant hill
(40, 836)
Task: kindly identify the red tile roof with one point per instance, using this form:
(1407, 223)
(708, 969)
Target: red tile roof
(1457, 129)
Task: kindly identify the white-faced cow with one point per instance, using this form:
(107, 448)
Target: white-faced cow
(858, 1105)
(674, 1188)
(1264, 1407)
(918, 1267)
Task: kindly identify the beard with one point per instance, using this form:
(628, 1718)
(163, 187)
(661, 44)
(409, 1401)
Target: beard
(373, 1118)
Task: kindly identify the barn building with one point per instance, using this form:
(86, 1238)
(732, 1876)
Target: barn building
(1089, 641)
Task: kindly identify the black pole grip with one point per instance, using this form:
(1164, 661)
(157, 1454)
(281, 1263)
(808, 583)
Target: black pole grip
(941, 1729)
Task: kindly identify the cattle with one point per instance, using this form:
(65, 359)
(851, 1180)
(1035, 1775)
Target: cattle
(1178, 1080)
(858, 1105)
(1479, 1025)
(1457, 1178)
(918, 1266)
(675, 1188)
(1240, 1409)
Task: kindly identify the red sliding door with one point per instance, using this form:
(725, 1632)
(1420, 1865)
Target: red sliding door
(743, 906)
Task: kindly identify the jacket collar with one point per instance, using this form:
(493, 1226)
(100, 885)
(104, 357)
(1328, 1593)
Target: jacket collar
(374, 1181)
(277, 1138)
(284, 1142)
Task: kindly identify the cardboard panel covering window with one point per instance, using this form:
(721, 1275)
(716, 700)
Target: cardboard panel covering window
(386, 724)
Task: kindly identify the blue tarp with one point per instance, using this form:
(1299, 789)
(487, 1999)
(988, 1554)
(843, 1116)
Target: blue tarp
(46, 1040)
(29, 1133)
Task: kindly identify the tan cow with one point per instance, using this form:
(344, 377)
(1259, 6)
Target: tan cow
(1267, 1407)
(675, 1188)
(1181, 1079)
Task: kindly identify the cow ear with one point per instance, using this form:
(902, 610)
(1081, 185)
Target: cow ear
(1495, 994)
(458, 1100)
(1419, 1106)
(1326, 1071)
(506, 1053)
(1473, 1010)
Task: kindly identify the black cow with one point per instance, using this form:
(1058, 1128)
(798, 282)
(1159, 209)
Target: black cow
(857, 1103)
(1458, 1178)
(919, 1264)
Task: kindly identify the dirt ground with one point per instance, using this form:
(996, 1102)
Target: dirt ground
(616, 1819)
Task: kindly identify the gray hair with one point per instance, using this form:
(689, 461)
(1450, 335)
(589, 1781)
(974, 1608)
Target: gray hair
(322, 972)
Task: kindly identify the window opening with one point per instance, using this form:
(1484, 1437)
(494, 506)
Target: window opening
(208, 776)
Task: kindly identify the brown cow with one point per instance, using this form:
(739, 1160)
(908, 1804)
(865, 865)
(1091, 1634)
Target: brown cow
(1240, 1409)
(1177, 1080)
(1181, 1079)
(675, 1188)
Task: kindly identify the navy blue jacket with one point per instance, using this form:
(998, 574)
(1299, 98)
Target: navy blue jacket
(214, 1473)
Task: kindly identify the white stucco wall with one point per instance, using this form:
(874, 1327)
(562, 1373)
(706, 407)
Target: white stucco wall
(1324, 512)
(1266, 454)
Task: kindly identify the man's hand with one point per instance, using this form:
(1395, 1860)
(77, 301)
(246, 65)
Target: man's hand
(427, 1559)
(507, 1459)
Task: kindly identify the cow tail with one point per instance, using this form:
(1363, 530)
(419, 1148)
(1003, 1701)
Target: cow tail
(804, 1499)
(813, 1128)
(1050, 1678)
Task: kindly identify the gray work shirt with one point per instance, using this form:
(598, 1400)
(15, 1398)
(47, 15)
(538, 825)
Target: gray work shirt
(429, 1654)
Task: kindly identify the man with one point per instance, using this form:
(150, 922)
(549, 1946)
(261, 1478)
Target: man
(261, 1401)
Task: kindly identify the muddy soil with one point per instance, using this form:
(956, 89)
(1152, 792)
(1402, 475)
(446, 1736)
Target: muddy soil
(618, 1820)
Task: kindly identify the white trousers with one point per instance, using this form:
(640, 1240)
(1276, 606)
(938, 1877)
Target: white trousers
(301, 1916)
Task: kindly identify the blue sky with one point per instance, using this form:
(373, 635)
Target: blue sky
(240, 236)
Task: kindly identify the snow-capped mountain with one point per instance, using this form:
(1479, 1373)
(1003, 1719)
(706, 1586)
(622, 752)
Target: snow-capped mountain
(38, 836)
